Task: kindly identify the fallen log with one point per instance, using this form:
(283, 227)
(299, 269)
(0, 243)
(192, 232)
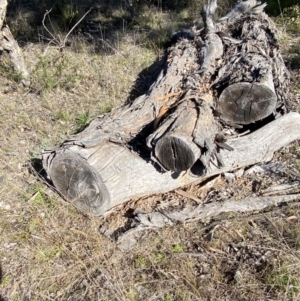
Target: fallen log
(98, 178)
(173, 135)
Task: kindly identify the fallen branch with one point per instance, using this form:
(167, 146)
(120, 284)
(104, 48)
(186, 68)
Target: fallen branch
(282, 188)
(141, 222)
(118, 174)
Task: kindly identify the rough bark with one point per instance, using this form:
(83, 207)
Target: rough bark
(241, 67)
(176, 127)
(98, 178)
(10, 45)
(252, 77)
(3, 8)
(176, 149)
(127, 237)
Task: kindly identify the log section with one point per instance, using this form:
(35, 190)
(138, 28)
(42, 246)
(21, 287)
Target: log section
(174, 147)
(174, 127)
(253, 75)
(99, 178)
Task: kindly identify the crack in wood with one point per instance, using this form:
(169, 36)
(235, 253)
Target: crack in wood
(185, 130)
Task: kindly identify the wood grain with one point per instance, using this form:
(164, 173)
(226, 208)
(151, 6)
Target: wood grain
(170, 136)
(126, 175)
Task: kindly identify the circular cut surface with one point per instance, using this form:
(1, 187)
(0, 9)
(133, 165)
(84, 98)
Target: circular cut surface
(174, 154)
(76, 180)
(244, 103)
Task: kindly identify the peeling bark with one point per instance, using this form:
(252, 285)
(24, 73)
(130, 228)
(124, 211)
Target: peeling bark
(99, 178)
(173, 135)
(10, 45)
(141, 222)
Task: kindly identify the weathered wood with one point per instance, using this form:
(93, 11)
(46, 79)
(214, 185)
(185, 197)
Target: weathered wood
(239, 59)
(175, 148)
(187, 133)
(109, 162)
(79, 182)
(10, 45)
(141, 222)
(3, 9)
(244, 103)
(252, 76)
(122, 125)
(125, 175)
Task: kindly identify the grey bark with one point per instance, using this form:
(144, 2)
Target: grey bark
(95, 179)
(171, 136)
(3, 8)
(10, 45)
(253, 73)
(128, 237)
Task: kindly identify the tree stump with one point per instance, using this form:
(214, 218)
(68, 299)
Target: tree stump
(230, 73)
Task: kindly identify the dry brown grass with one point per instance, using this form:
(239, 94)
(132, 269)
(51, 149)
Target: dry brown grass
(49, 251)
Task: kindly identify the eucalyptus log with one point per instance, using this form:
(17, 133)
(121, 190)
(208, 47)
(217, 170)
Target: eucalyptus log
(10, 45)
(241, 76)
(175, 148)
(95, 179)
(173, 134)
(253, 80)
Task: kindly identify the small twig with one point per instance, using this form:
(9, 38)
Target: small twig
(33, 197)
(111, 47)
(189, 196)
(60, 43)
(66, 37)
(216, 250)
(43, 22)
(239, 234)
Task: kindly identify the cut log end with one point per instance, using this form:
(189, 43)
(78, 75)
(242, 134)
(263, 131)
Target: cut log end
(176, 154)
(76, 180)
(244, 103)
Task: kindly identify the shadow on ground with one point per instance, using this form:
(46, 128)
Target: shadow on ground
(107, 21)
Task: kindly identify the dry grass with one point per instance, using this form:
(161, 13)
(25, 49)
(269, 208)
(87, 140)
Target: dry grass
(49, 251)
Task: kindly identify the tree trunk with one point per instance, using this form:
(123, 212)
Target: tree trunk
(175, 133)
(97, 178)
(10, 45)
(3, 8)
